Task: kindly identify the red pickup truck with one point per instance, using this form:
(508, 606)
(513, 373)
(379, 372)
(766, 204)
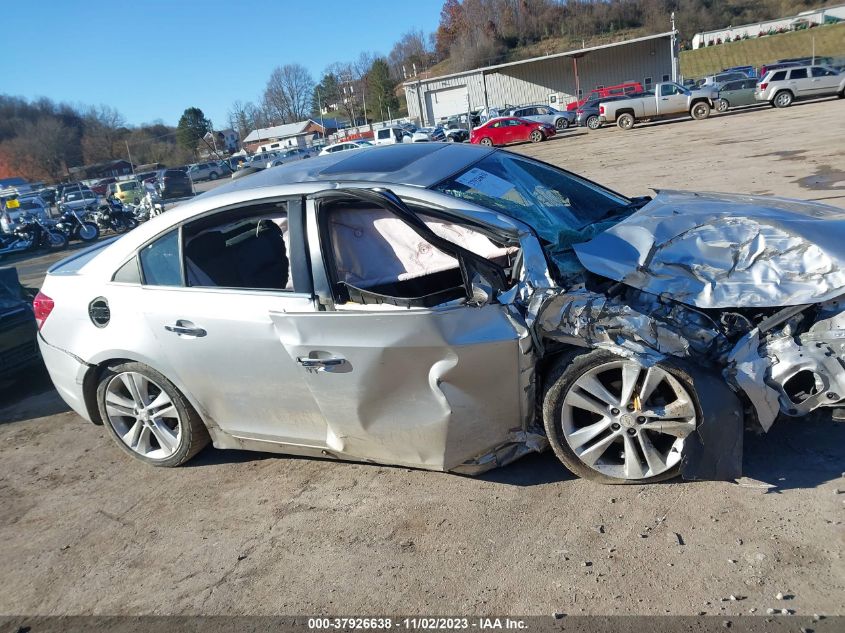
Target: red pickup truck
(629, 87)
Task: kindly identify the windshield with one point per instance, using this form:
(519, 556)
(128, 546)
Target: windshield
(552, 201)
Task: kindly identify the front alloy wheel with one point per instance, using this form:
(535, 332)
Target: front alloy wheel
(536, 136)
(614, 421)
(148, 417)
(593, 122)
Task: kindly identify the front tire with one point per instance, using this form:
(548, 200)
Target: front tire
(212, 175)
(536, 136)
(783, 99)
(89, 232)
(593, 122)
(700, 111)
(148, 417)
(57, 241)
(610, 420)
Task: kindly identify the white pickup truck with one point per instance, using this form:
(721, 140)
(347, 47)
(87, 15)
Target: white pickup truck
(667, 100)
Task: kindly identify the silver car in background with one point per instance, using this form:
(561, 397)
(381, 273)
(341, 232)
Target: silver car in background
(546, 114)
(453, 307)
(783, 86)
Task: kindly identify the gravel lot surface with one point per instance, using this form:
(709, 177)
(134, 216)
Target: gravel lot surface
(86, 530)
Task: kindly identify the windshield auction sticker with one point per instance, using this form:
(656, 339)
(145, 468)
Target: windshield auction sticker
(485, 182)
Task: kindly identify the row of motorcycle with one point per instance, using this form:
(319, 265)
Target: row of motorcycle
(85, 224)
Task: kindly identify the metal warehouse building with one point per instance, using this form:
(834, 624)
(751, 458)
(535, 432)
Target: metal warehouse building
(553, 80)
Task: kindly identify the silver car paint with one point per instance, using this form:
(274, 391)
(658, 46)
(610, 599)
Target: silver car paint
(468, 371)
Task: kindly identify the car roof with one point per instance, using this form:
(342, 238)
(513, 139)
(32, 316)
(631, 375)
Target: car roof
(415, 164)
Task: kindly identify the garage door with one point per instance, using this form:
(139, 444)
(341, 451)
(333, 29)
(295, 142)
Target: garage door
(445, 103)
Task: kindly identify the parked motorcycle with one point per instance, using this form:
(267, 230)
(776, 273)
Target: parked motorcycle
(75, 228)
(29, 234)
(113, 216)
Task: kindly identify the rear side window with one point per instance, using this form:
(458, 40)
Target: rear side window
(128, 273)
(779, 76)
(798, 73)
(160, 261)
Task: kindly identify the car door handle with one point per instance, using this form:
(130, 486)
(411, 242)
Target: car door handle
(186, 328)
(320, 364)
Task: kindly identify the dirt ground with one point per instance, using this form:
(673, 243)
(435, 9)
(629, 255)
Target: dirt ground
(86, 530)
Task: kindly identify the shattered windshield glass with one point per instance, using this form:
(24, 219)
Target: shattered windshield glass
(557, 204)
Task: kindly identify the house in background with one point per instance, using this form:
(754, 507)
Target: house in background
(289, 135)
(223, 140)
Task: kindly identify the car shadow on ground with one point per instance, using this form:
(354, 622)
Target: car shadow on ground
(797, 452)
(29, 396)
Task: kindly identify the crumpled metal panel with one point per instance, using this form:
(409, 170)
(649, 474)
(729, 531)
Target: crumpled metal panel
(722, 250)
(639, 326)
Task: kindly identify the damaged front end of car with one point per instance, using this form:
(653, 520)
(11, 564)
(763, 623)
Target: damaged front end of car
(741, 292)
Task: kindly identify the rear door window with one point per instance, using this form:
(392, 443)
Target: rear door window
(160, 261)
(822, 72)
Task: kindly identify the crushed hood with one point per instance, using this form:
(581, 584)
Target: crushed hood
(719, 250)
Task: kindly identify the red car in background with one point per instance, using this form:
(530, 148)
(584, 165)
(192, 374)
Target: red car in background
(506, 130)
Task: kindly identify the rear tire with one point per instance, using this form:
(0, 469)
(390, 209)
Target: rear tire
(561, 124)
(723, 106)
(212, 175)
(117, 406)
(783, 99)
(625, 121)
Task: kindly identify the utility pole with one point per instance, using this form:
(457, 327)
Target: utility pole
(674, 46)
(129, 154)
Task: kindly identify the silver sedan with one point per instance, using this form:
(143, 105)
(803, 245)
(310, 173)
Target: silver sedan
(453, 308)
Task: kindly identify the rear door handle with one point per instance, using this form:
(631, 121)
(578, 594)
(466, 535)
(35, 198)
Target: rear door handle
(185, 328)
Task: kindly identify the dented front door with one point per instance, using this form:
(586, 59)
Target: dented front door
(422, 387)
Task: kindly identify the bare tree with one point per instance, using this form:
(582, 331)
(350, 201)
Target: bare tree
(287, 96)
(411, 49)
(104, 128)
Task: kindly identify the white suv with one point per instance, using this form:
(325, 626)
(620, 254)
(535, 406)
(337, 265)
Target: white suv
(781, 87)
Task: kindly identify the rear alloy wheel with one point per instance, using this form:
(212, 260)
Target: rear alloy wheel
(611, 420)
(561, 124)
(148, 417)
(212, 175)
(783, 99)
(486, 141)
(593, 122)
(536, 136)
(723, 106)
(625, 121)
(700, 111)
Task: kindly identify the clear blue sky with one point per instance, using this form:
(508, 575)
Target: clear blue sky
(151, 59)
